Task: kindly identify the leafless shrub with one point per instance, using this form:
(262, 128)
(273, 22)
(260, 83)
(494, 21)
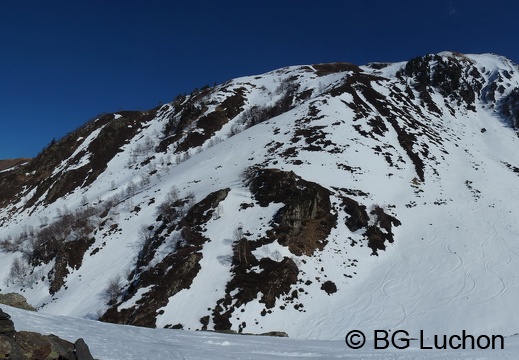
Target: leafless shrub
(43, 245)
(213, 141)
(8, 245)
(191, 200)
(20, 274)
(248, 174)
(84, 200)
(144, 181)
(176, 242)
(238, 233)
(169, 208)
(276, 256)
(186, 156)
(44, 221)
(113, 290)
(144, 148)
(173, 194)
(236, 129)
(131, 189)
(224, 259)
(218, 212)
(146, 233)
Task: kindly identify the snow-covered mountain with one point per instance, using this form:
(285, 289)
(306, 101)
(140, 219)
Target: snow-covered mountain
(310, 200)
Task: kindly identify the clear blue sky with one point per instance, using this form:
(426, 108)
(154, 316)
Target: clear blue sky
(64, 62)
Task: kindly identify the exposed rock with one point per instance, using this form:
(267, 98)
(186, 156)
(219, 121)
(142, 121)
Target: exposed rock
(6, 325)
(377, 233)
(59, 346)
(358, 217)
(33, 345)
(302, 225)
(30, 345)
(15, 300)
(377, 237)
(329, 287)
(4, 316)
(68, 256)
(175, 272)
(5, 346)
(12, 350)
(275, 333)
(306, 219)
(7, 328)
(82, 351)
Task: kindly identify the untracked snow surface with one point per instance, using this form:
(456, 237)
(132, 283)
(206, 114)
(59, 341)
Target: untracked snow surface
(118, 342)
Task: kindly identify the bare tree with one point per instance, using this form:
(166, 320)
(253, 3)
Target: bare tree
(131, 189)
(238, 233)
(217, 212)
(191, 200)
(146, 233)
(276, 256)
(19, 274)
(173, 194)
(113, 289)
(241, 244)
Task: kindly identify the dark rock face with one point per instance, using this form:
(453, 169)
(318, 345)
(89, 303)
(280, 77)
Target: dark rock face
(359, 219)
(7, 327)
(175, 272)
(329, 287)
(5, 346)
(4, 316)
(302, 225)
(82, 351)
(305, 220)
(449, 76)
(30, 345)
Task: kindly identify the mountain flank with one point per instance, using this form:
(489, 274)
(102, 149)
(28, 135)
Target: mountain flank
(307, 200)
(10, 163)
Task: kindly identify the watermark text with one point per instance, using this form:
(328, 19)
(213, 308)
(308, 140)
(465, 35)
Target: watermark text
(401, 339)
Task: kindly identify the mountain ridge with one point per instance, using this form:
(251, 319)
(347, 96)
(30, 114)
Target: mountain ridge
(248, 205)
(7, 164)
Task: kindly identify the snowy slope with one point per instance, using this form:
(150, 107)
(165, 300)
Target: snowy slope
(117, 342)
(398, 182)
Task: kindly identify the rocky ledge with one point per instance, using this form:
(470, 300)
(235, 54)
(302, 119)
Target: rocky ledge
(21, 345)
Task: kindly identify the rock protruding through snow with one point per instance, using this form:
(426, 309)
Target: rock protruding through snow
(31, 345)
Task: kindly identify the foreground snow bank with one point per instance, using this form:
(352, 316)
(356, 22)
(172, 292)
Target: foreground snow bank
(109, 341)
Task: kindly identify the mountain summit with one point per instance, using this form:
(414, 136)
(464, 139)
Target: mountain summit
(310, 200)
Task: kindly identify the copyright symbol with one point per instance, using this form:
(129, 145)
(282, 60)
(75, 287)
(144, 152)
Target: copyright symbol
(355, 339)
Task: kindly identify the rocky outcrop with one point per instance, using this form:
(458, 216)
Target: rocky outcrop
(30, 345)
(15, 300)
(306, 220)
(175, 271)
(302, 225)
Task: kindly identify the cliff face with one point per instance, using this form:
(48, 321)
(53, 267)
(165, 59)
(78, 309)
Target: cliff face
(304, 200)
